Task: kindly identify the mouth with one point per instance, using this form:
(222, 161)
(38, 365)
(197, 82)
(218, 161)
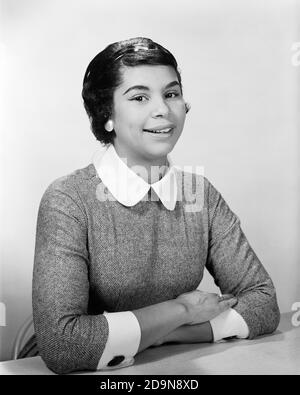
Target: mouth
(160, 132)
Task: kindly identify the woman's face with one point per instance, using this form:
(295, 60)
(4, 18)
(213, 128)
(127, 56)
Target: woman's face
(148, 113)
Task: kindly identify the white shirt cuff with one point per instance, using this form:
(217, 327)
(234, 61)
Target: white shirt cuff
(228, 324)
(123, 340)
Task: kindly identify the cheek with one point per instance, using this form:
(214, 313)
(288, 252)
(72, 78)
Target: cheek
(125, 119)
(133, 116)
(180, 112)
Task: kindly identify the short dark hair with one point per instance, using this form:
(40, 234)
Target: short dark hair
(103, 76)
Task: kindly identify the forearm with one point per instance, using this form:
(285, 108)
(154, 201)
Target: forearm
(199, 333)
(157, 321)
(182, 315)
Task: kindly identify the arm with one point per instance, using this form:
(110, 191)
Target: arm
(227, 324)
(69, 338)
(198, 333)
(125, 330)
(198, 307)
(237, 270)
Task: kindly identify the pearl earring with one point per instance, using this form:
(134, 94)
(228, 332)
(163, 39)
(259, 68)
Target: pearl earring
(109, 126)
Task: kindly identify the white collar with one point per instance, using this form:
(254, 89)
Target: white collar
(129, 188)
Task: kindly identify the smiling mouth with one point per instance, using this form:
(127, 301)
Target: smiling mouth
(161, 131)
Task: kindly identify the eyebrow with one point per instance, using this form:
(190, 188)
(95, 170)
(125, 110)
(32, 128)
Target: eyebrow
(146, 88)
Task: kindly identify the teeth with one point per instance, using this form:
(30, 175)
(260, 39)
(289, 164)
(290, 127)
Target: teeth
(161, 131)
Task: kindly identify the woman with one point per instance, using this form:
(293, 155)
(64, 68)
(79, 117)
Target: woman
(121, 246)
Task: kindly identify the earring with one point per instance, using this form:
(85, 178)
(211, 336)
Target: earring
(109, 126)
(187, 107)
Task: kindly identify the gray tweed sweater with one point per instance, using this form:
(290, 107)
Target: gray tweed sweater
(94, 255)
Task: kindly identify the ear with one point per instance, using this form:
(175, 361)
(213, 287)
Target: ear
(187, 107)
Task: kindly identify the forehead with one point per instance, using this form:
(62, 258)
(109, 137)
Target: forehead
(149, 75)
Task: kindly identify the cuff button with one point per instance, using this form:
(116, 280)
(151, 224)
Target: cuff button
(116, 360)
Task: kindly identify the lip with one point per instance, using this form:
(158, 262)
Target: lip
(161, 127)
(160, 135)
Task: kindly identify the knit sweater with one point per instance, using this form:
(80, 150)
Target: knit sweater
(94, 254)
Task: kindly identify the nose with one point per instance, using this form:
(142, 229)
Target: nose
(160, 108)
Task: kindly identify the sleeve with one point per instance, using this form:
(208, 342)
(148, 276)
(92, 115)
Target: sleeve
(237, 270)
(229, 324)
(68, 338)
(123, 340)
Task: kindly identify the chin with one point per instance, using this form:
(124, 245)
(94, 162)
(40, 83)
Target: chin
(160, 152)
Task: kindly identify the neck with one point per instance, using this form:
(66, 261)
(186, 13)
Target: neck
(150, 171)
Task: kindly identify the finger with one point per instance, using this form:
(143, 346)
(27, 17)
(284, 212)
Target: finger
(227, 304)
(225, 297)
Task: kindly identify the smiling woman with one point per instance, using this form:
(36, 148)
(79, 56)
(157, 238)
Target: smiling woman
(116, 272)
(143, 108)
(148, 119)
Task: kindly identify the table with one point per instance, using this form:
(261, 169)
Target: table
(278, 353)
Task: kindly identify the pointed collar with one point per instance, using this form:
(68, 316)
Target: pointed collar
(129, 188)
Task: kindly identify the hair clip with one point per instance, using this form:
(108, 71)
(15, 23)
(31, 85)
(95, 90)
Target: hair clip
(136, 48)
(139, 46)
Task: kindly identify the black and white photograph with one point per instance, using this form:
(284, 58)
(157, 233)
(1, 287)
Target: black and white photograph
(150, 190)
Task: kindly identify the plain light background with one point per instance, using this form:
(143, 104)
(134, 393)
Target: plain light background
(238, 75)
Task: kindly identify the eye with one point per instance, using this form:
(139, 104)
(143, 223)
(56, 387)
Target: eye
(172, 95)
(139, 98)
